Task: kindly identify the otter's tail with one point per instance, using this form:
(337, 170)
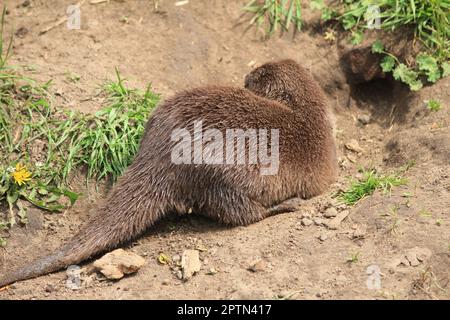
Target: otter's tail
(126, 214)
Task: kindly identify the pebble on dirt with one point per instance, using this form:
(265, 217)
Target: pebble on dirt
(354, 146)
(417, 255)
(364, 119)
(319, 221)
(116, 264)
(336, 221)
(190, 263)
(307, 222)
(257, 266)
(330, 212)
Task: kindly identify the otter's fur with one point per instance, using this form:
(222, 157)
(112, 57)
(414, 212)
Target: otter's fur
(280, 95)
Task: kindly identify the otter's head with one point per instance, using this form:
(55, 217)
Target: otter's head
(276, 80)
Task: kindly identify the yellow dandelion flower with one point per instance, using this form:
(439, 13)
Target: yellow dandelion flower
(21, 175)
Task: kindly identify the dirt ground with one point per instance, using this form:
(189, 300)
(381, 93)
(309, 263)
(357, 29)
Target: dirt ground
(177, 47)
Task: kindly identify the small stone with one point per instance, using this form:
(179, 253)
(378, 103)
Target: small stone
(73, 280)
(176, 258)
(319, 221)
(352, 158)
(417, 255)
(335, 222)
(364, 119)
(165, 282)
(360, 232)
(179, 275)
(190, 263)
(212, 271)
(353, 145)
(257, 266)
(21, 32)
(306, 215)
(116, 264)
(323, 237)
(331, 212)
(404, 261)
(307, 222)
(49, 288)
(412, 259)
(26, 3)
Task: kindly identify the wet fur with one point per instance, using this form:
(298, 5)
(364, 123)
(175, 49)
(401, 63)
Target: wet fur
(280, 95)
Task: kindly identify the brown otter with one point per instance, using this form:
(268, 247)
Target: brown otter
(279, 95)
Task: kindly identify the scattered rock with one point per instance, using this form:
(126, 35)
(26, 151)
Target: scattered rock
(323, 237)
(49, 288)
(306, 215)
(335, 222)
(417, 255)
(190, 263)
(212, 271)
(364, 119)
(307, 222)
(331, 212)
(352, 158)
(73, 281)
(258, 265)
(412, 259)
(353, 145)
(360, 232)
(21, 32)
(116, 264)
(319, 221)
(165, 282)
(26, 3)
(251, 64)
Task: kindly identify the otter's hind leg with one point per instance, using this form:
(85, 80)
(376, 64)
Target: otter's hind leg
(289, 205)
(239, 209)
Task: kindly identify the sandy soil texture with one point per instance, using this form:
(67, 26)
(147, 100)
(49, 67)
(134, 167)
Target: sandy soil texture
(406, 235)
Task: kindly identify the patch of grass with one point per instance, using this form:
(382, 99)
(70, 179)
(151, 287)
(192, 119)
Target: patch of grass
(354, 257)
(367, 185)
(5, 51)
(42, 145)
(425, 213)
(277, 14)
(105, 143)
(433, 105)
(47, 144)
(428, 19)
